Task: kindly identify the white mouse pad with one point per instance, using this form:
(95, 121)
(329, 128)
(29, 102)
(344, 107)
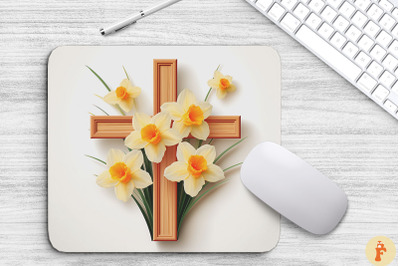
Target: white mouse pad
(86, 217)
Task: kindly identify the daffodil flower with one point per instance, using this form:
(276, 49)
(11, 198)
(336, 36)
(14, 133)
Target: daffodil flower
(124, 173)
(223, 84)
(152, 134)
(124, 95)
(188, 115)
(194, 167)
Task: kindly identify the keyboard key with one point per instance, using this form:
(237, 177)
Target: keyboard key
(264, 4)
(387, 22)
(387, 79)
(366, 82)
(316, 5)
(276, 11)
(378, 52)
(335, 3)
(374, 12)
(313, 21)
(380, 93)
(390, 62)
(328, 14)
(325, 30)
(386, 5)
(350, 50)
(353, 33)
(375, 69)
(365, 42)
(371, 29)
(338, 40)
(290, 22)
(341, 23)
(395, 88)
(390, 106)
(394, 47)
(347, 9)
(384, 38)
(395, 30)
(301, 11)
(359, 19)
(362, 59)
(333, 57)
(289, 4)
(395, 13)
(362, 4)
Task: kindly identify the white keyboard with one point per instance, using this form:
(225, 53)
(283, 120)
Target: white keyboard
(357, 38)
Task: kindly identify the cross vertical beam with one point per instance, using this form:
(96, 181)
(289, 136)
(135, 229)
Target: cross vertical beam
(164, 191)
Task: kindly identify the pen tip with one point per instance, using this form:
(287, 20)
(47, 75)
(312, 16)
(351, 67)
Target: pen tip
(102, 31)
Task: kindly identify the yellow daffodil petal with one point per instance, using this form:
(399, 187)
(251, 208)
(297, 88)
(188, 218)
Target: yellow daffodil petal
(213, 173)
(162, 121)
(174, 109)
(193, 185)
(127, 104)
(218, 75)
(133, 160)
(213, 83)
(231, 88)
(186, 98)
(201, 131)
(208, 152)
(105, 180)
(182, 130)
(134, 91)
(177, 171)
(184, 151)
(135, 141)
(206, 108)
(124, 191)
(229, 78)
(170, 137)
(141, 179)
(111, 98)
(140, 120)
(155, 152)
(221, 93)
(114, 156)
(125, 83)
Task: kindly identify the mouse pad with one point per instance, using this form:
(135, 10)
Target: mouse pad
(139, 156)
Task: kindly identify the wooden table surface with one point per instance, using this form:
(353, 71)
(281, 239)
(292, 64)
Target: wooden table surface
(325, 120)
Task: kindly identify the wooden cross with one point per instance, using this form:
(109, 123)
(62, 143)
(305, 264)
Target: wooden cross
(164, 191)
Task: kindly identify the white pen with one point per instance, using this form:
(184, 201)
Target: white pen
(143, 13)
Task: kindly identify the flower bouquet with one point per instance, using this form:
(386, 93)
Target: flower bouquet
(196, 170)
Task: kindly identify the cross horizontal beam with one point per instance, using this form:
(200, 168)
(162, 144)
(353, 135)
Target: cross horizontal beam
(119, 127)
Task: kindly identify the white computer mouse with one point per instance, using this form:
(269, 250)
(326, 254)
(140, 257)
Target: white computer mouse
(293, 188)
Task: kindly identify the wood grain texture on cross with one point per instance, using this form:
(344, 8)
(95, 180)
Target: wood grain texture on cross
(164, 191)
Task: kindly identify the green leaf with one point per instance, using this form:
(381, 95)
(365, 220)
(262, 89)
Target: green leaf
(100, 109)
(146, 204)
(211, 140)
(232, 166)
(228, 149)
(102, 81)
(126, 73)
(149, 224)
(94, 158)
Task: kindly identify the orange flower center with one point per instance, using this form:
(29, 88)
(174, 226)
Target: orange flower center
(197, 165)
(151, 134)
(121, 172)
(122, 93)
(193, 116)
(224, 84)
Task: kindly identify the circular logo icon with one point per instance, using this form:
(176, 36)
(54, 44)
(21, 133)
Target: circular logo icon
(380, 250)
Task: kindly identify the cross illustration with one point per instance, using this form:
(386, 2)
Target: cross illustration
(164, 191)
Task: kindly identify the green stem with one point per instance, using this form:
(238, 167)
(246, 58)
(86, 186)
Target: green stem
(101, 109)
(232, 166)
(146, 204)
(102, 81)
(94, 158)
(119, 109)
(211, 140)
(208, 94)
(228, 149)
(126, 73)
